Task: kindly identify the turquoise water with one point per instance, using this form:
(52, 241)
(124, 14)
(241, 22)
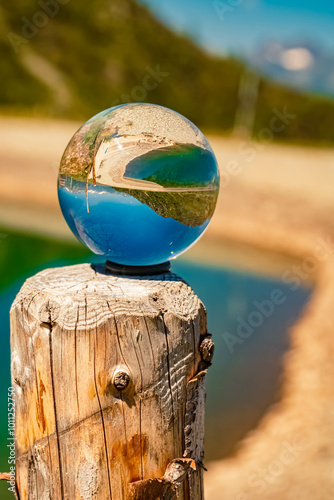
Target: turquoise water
(123, 229)
(179, 165)
(241, 385)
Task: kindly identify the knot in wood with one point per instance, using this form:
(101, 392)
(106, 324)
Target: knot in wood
(207, 349)
(49, 312)
(121, 380)
(158, 302)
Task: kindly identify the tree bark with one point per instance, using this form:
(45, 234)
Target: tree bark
(109, 375)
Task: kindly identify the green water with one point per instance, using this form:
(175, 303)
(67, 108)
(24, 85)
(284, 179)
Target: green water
(180, 165)
(241, 384)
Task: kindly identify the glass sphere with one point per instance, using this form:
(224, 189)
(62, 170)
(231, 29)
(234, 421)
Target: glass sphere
(138, 184)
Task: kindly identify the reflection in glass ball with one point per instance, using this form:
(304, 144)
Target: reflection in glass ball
(138, 184)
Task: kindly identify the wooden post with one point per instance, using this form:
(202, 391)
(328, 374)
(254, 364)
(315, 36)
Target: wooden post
(109, 375)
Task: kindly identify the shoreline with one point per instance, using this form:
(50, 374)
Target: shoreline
(209, 250)
(273, 214)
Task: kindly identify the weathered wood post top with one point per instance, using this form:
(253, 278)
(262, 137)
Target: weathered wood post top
(109, 376)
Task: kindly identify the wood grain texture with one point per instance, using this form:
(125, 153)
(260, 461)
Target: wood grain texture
(109, 376)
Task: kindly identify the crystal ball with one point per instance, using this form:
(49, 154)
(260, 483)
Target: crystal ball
(138, 184)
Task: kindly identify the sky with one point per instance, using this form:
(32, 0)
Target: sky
(240, 27)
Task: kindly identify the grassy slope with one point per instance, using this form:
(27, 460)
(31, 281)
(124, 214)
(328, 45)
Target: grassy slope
(189, 208)
(100, 50)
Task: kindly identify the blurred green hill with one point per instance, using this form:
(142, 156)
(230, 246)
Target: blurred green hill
(66, 58)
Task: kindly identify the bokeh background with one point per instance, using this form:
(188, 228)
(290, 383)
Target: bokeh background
(257, 76)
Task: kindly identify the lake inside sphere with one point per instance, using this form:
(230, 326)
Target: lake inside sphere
(138, 184)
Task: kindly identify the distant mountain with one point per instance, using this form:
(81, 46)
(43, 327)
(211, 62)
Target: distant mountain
(301, 65)
(73, 59)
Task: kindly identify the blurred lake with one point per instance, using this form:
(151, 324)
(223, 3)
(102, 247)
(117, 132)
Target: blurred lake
(241, 385)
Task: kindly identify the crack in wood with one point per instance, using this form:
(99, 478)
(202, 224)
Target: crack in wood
(55, 414)
(169, 380)
(102, 419)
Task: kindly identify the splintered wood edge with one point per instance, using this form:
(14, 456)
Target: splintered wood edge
(61, 293)
(164, 488)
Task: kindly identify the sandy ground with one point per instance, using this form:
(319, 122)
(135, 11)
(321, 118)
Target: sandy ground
(275, 214)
